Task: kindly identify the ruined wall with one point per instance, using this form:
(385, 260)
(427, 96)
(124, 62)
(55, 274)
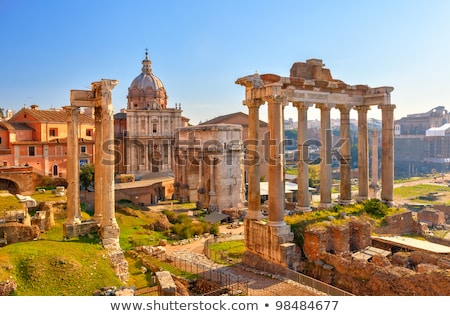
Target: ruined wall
(431, 217)
(398, 224)
(380, 277)
(16, 232)
(339, 239)
(265, 243)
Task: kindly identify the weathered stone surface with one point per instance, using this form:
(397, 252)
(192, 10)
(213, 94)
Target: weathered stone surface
(166, 284)
(7, 287)
(16, 232)
(366, 278)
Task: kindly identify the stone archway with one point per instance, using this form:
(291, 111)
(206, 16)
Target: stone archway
(9, 185)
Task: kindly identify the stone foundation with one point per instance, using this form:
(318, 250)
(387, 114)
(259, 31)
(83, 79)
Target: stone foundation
(12, 233)
(166, 285)
(80, 229)
(269, 247)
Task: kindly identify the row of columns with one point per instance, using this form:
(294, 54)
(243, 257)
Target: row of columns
(276, 156)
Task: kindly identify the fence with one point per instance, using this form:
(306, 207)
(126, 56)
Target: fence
(227, 282)
(222, 256)
(286, 273)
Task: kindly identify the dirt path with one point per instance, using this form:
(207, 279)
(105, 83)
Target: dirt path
(259, 284)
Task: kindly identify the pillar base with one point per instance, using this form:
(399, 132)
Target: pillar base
(388, 203)
(276, 223)
(303, 209)
(360, 199)
(345, 202)
(254, 215)
(324, 205)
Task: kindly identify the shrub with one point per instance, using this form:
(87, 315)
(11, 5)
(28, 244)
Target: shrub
(375, 208)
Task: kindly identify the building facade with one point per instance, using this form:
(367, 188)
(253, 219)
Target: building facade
(209, 166)
(38, 139)
(422, 143)
(145, 130)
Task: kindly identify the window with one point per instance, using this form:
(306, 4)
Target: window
(55, 170)
(89, 132)
(155, 128)
(53, 132)
(31, 151)
(0, 140)
(83, 149)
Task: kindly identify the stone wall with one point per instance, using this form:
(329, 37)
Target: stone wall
(380, 278)
(398, 224)
(16, 232)
(431, 217)
(339, 239)
(267, 244)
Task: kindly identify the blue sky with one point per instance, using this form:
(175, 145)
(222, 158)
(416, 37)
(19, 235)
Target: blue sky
(199, 48)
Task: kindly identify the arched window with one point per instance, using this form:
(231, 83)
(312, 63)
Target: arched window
(55, 170)
(397, 129)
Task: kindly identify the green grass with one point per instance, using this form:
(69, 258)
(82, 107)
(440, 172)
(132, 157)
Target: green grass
(9, 202)
(420, 189)
(57, 268)
(228, 249)
(80, 266)
(48, 196)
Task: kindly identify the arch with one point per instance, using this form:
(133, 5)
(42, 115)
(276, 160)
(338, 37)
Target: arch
(9, 185)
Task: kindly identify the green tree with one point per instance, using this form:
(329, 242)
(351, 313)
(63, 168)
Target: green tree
(87, 176)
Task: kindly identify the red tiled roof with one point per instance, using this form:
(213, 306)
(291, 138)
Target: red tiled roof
(54, 116)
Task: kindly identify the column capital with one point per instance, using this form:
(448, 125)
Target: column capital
(253, 103)
(387, 107)
(277, 99)
(301, 105)
(344, 108)
(324, 106)
(71, 112)
(362, 108)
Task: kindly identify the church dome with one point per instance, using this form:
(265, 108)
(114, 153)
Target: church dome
(147, 90)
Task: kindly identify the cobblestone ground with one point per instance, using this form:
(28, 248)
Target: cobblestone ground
(259, 284)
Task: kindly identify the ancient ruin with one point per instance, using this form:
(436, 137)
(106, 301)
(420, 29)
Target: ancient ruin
(308, 84)
(208, 166)
(99, 97)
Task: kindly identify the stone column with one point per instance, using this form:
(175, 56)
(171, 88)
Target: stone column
(212, 190)
(253, 149)
(73, 165)
(109, 228)
(302, 167)
(325, 155)
(98, 181)
(374, 178)
(387, 153)
(363, 153)
(345, 155)
(276, 161)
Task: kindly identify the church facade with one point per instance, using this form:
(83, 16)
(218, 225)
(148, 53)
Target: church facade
(145, 130)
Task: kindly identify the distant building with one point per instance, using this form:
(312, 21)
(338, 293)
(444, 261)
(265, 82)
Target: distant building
(38, 138)
(208, 168)
(422, 143)
(241, 119)
(145, 130)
